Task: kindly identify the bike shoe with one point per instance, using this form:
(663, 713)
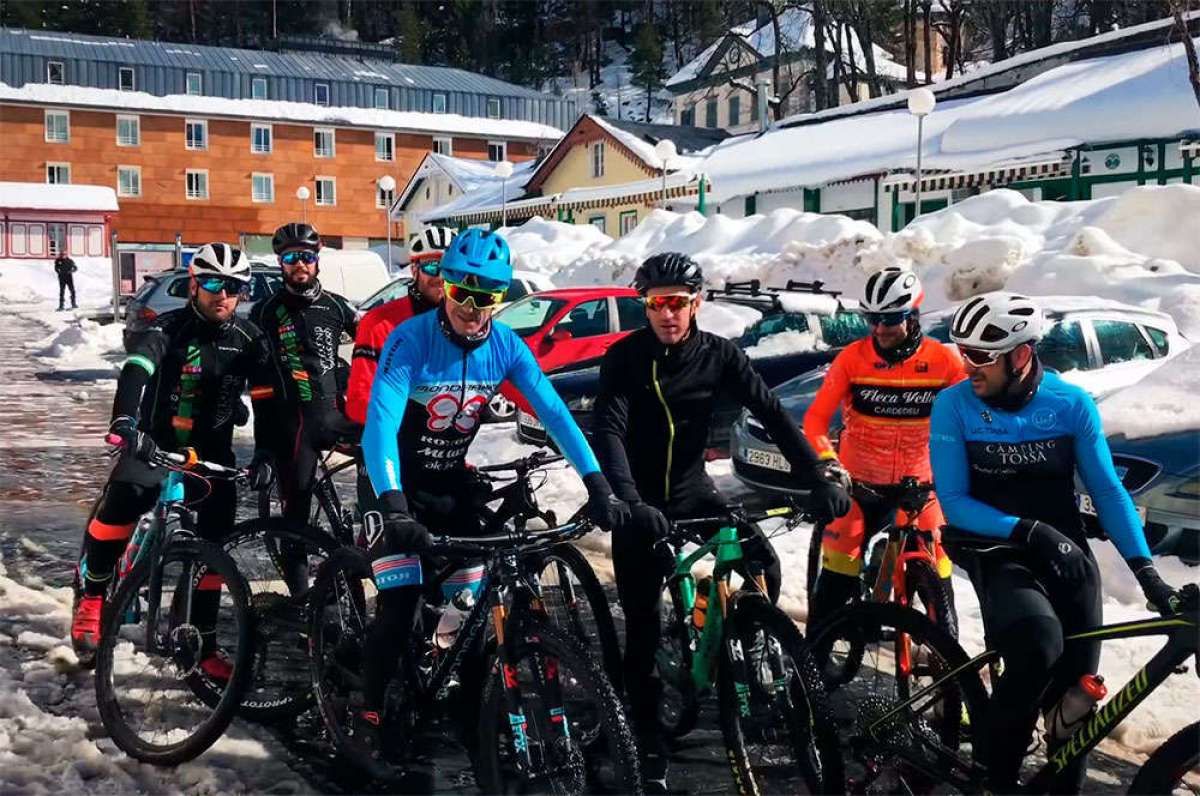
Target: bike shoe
(85, 629)
(217, 667)
(654, 764)
(366, 730)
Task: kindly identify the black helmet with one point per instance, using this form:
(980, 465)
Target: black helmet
(669, 269)
(289, 236)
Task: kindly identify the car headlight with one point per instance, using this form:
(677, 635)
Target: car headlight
(1189, 489)
(583, 403)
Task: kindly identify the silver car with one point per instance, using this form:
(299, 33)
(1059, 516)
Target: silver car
(169, 291)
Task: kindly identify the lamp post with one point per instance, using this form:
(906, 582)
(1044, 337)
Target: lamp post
(504, 170)
(920, 104)
(302, 194)
(387, 184)
(665, 149)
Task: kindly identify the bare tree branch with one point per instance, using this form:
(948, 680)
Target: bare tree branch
(1179, 8)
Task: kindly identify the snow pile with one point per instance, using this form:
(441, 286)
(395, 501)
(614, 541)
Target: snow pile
(726, 320)
(29, 281)
(788, 342)
(82, 342)
(1162, 403)
(548, 246)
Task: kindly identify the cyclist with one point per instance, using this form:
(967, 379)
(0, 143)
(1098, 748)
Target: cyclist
(180, 387)
(653, 412)
(425, 250)
(304, 324)
(885, 385)
(436, 375)
(1005, 447)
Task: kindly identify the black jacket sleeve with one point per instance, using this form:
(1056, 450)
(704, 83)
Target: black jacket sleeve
(752, 392)
(611, 424)
(146, 350)
(265, 381)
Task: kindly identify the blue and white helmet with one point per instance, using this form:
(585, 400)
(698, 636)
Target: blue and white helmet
(478, 258)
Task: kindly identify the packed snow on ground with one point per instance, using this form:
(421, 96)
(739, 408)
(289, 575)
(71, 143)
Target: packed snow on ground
(1164, 402)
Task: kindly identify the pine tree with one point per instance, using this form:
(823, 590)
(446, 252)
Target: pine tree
(646, 63)
(410, 34)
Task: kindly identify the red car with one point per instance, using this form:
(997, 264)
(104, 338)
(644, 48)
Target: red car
(566, 325)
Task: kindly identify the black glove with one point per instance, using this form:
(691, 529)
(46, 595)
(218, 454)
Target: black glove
(603, 507)
(1047, 544)
(392, 530)
(261, 471)
(1162, 598)
(136, 443)
(828, 499)
(832, 471)
(648, 519)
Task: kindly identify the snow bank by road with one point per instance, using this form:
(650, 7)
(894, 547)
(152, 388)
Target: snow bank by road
(1163, 402)
(548, 246)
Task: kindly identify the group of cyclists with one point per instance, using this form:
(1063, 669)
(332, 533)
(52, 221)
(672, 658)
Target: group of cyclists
(999, 435)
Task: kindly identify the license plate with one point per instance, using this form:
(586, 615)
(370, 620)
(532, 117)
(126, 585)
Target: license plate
(768, 459)
(1086, 506)
(529, 421)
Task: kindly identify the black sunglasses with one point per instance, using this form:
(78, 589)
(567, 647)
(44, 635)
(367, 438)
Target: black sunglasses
(303, 256)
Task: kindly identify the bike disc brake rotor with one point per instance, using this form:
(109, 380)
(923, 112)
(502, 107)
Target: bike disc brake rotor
(185, 645)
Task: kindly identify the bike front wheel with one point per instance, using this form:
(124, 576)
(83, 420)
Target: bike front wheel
(551, 721)
(679, 705)
(777, 726)
(157, 698)
(1165, 771)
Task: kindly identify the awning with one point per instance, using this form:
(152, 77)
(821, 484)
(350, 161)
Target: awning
(992, 175)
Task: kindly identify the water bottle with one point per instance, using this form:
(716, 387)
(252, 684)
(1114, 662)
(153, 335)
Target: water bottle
(1075, 706)
(451, 621)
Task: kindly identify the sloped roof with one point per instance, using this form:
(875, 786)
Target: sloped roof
(688, 140)
(475, 180)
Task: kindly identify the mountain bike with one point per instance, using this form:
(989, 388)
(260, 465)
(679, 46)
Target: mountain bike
(175, 599)
(902, 566)
(548, 718)
(901, 725)
(773, 715)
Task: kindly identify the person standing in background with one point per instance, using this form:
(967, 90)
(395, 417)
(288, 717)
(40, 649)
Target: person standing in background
(64, 266)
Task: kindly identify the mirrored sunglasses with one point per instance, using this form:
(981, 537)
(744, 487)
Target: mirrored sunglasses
(482, 299)
(215, 284)
(301, 256)
(887, 318)
(978, 357)
(674, 303)
(429, 267)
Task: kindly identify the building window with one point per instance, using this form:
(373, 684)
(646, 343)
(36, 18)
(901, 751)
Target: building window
(58, 173)
(381, 99)
(383, 199)
(195, 84)
(439, 103)
(321, 93)
(326, 191)
(493, 107)
(56, 72)
(687, 116)
(260, 138)
(497, 151)
(598, 159)
(262, 187)
(710, 113)
(125, 79)
(129, 132)
(56, 235)
(599, 222)
(443, 146)
(258, 88)
(58, 127)
(735, 111)
(628, 221)
(385, 147)
(129, 181)
(196, 134)
(323, 142)
(197, 184)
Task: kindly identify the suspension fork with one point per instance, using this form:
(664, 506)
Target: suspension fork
(507, 671)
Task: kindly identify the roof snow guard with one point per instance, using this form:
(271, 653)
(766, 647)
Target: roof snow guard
(995, 175)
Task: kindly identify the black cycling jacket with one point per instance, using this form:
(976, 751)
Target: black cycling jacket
(184, 376)
(304, 333)
(655, 407)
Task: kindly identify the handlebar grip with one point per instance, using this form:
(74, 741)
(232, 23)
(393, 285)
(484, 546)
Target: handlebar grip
(115, 440)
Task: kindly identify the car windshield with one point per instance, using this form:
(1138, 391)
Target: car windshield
(529, 314)
(389, 292)
(773, 324)
(843, 328)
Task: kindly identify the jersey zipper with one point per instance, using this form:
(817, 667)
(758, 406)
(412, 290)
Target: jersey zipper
(670, 428)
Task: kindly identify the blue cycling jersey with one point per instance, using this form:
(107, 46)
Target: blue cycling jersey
(993, 467)
(429, 393)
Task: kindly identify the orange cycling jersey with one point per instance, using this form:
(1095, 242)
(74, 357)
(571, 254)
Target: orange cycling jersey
(885, 409)
(373, 331)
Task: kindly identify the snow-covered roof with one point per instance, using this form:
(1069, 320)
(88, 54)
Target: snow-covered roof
(275, 110)
(1140, 94)
(39, 196)
(476, 181)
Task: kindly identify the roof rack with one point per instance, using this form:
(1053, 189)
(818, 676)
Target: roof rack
(753, 288)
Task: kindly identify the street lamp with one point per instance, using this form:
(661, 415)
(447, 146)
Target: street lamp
(302, 194)
(504, 170)
(920, 104)
(665, 149)
(387, 184)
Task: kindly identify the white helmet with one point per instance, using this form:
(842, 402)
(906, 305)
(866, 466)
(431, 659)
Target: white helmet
(430, 241)
(997, 321)
(892, 289)
(220, 259)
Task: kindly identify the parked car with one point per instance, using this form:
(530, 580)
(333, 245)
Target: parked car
(169, 291)
(1097, 344)
(524, 283)
(802, 327)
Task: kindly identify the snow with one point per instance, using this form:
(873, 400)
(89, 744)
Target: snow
(268, 110)
(643, 149)
(1141, 94)
(548, 246)
(1162, 403)
(477, 183)
(24, 281)
(38, 196)
(726, 320)
(615, 95)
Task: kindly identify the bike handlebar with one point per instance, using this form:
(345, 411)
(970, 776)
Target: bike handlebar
(531, 462)
(735, 513)
(186, 461)
(485, 545)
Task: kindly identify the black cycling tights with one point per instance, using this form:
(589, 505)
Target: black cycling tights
(1026, 614)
